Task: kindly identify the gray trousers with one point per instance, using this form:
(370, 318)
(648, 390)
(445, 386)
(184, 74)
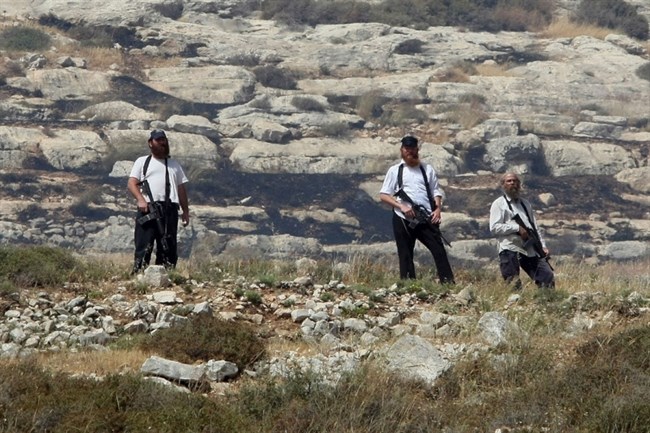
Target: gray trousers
(537, 269)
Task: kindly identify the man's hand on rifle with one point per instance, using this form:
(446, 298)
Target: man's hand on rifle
(523, 233)
(436, 216)
(407, 210)
(143, 206)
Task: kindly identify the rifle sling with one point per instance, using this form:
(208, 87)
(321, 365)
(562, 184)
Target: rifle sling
(400, 172)
(167, 189)
(523, 206)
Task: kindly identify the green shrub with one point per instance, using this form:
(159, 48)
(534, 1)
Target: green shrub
(420, 14)
(253, 297)
(409, 46)
(204, 338)
(403, 114)
(37, 266)
(261, 103)
(272, 76)
(327, 297)
(268, 280)
(248, 60)
(643, 71)
(335, 129)
(31, 212)
(371, 105)
(34, 400)
(21, 38)
(613, 14)
(313, 12)
(6, 287)
(367, 400)
(306, 103)
(472, 98)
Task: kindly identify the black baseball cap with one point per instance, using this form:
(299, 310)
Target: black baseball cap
(156, 134)
(409, 141)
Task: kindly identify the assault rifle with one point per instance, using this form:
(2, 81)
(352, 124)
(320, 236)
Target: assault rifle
(533, 240)
(156, 213)
(422, 216)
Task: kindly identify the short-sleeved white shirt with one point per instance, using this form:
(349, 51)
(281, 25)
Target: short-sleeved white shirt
(156, 177)
(412, 184)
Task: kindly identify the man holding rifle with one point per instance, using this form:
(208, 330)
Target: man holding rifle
(157, 182)
(513, 222)
(411, 189)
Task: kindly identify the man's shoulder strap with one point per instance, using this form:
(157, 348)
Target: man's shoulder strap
(523, 206)
(146, 166)
(400, 172)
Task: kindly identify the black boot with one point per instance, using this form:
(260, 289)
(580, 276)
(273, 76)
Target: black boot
(137, 266)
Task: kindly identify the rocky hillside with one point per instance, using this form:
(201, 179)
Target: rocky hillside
(286, 131)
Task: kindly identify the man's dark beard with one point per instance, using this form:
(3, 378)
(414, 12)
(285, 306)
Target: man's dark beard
(412, 161)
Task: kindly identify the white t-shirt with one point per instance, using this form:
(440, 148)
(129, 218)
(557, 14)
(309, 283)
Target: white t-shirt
(412, 184)
(156, 177)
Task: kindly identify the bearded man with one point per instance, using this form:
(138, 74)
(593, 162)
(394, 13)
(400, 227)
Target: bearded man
(516, 249)
(411, 189)
(164, 181)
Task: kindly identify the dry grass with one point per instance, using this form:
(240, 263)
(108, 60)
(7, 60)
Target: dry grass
(545, 378)
(94, 363)
(609, 277)
(565, 28)
(493, 70)
(452, 75)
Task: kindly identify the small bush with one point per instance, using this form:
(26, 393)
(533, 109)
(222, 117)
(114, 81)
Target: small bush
(272, 76)
(37, 266)
(409, 46)
(476, 14)
(21, 38)
(472, 98)
(306, 103)
(452, 75)
(12, 68)
(643, 72)
(6, 287)
(367, 400)
(248, 60)
(34, 400)
(31, 212)
(336, 129)
(261, 103)
(83, 206)
(253, 297)
(613, 14)
(371, 105)
(205, 338)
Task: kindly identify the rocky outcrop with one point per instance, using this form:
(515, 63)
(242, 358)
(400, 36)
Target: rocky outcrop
(295, 169)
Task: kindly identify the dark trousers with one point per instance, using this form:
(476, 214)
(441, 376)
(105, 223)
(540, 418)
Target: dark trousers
(147, 234)
(537, 269)
(405, 238)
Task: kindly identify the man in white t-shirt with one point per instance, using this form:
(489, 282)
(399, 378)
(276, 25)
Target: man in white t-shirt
(415, 181)
(160, 180)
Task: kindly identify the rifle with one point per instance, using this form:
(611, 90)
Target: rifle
(422, 216)
(156, 213)
(533, 240)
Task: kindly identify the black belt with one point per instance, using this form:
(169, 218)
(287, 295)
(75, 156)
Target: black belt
(163, 203)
